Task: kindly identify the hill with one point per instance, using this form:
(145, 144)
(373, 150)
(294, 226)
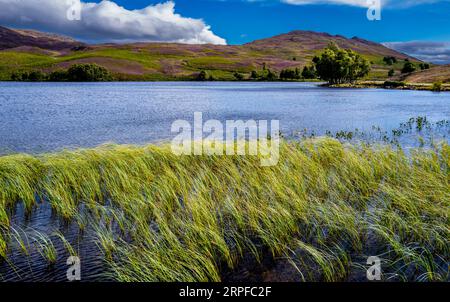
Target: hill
(12, 38)
(434, 74)
(31, 50)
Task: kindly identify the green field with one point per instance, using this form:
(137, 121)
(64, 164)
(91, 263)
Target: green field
(153, 62)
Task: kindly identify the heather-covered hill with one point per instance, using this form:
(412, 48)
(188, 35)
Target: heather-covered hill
(31, 50)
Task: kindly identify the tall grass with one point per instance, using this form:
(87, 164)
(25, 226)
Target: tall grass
(159, 217)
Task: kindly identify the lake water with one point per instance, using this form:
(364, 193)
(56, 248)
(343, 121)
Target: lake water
(41, 117)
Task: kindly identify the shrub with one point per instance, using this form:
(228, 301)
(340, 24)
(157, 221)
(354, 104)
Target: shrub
(408, 67)
(58, 76)
(202, 76)
(391, 73)
(390, 60)
(437, 86)
(290, 74)
(309, 72)
(17, 76)
(424, 66)
(394, 84)
(271, 76)
(238, 76)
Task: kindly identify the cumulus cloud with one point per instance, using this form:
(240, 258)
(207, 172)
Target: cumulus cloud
(108, 22)
(435, 52)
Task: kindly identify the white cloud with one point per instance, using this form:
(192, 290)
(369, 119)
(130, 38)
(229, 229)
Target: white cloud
(108, 22)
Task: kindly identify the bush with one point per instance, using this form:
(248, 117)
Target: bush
(424, 66)
(271, 76)
(238, 76)
(390, 60)
(88, 73)
(408, 67)
(290, 74)
(58, 76)
(437, 86)
(37, 76)
(29, 76)
(17, 76)
(391, 73)
(394, 84)
(202, 76)
(309, 72)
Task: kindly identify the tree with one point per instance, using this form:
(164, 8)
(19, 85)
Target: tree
(338, 66)
(424, 66)
(29, 76)
(88, 73)
(437, 86)
(238, 76)
(254, 75)
(202, 76)
(289, 74)
(390, 60)
(408, 67)
(391, 73)
(17, 76)
(309, 72)
(58, 76)
(271, 76)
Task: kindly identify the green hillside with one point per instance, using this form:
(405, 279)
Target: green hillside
(168, 61)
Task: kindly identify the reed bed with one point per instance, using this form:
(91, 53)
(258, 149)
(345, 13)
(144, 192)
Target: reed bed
(325, 206)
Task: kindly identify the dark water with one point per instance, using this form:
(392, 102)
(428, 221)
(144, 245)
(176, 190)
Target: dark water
(40, 117)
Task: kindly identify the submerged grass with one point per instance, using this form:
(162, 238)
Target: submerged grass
(191, 218)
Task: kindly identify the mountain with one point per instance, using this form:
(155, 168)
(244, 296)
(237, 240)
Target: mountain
(302, 43)
(12, 38)
(31, 50)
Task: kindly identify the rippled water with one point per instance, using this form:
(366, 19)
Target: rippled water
(40, 117)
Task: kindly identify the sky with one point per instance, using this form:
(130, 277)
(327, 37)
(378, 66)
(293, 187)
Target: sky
(417, 27)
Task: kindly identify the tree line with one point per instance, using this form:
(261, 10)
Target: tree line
(76, 73)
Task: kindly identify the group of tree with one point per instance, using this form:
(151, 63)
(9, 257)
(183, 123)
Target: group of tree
(390, 60)
(337, 66)
(76, 73)
(264, 75)
(424, 66)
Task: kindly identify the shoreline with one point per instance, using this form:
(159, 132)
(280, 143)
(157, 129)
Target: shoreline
(359, 85)
(390, 85)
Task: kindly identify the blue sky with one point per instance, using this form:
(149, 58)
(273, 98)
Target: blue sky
(417, 27)
(240, 21)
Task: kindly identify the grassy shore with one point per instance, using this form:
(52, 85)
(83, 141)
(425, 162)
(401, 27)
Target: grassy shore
(322, 209)
(391, 85)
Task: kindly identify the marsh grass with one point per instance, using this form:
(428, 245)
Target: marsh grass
(159, 217)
